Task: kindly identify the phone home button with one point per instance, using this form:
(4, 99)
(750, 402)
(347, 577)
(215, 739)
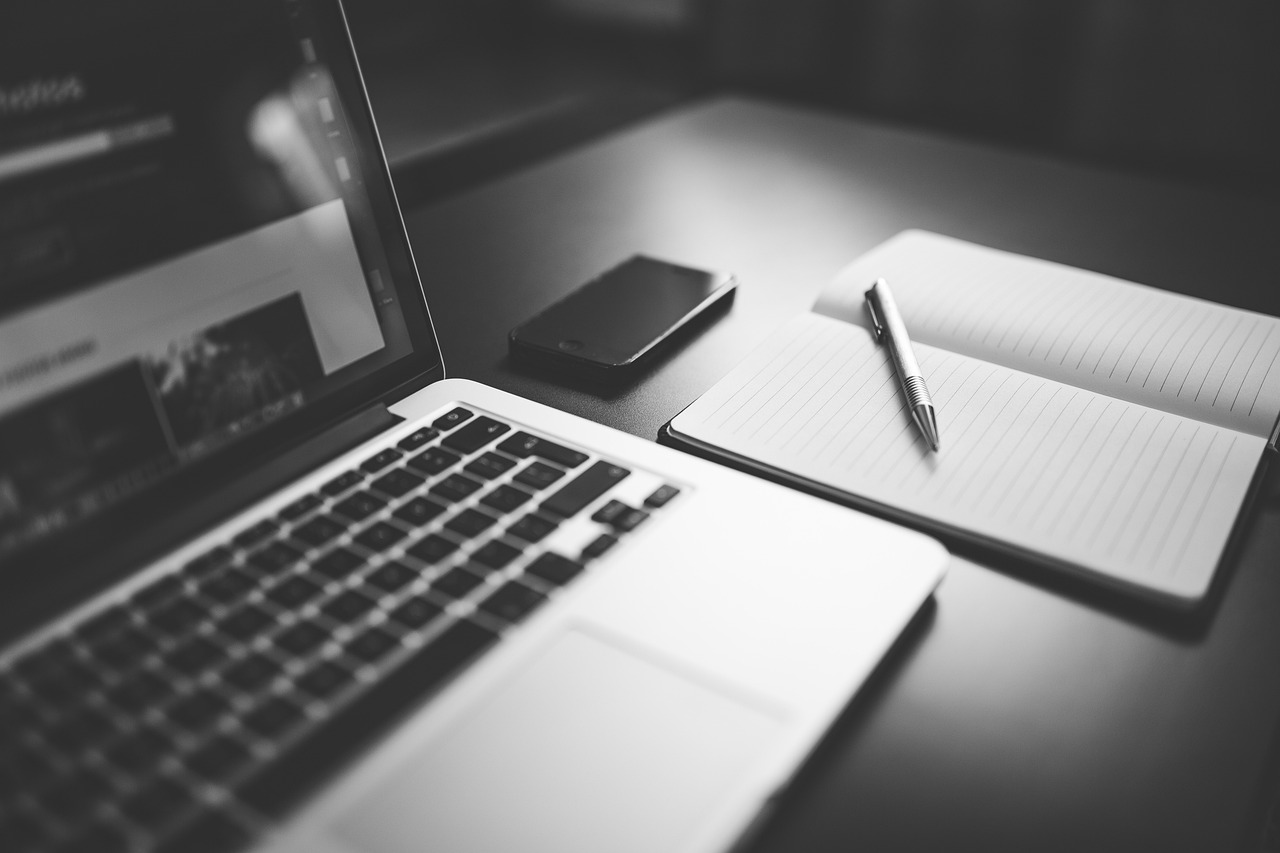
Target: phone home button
(570, 345)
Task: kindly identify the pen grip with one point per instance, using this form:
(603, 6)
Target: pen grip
(917, 393)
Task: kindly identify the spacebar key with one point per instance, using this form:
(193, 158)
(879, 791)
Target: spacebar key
(586, 487)
(283, 784)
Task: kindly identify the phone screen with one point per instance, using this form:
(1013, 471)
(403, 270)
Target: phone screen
(617, 317)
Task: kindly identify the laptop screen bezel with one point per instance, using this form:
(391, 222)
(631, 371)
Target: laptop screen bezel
(119, 539)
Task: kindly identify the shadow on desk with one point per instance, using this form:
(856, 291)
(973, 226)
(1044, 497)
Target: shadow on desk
(612, 384)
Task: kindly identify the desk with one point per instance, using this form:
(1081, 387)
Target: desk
(1017, 715)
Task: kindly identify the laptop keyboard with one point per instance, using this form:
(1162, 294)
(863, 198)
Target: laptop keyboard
(217, 697)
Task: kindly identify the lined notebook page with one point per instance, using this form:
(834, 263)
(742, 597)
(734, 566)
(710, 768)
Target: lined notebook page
(1189, 356)
(1122, 489)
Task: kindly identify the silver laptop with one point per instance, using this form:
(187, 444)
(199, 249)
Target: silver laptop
(269, 581)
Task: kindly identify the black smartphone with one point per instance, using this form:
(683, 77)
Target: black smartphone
(611, 323)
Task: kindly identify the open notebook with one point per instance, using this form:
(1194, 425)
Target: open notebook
(1105, 427)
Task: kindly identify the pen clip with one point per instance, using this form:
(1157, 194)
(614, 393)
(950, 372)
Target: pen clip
(877, 327)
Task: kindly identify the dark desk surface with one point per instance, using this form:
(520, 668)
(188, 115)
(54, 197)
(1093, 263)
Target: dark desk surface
(1019, 715)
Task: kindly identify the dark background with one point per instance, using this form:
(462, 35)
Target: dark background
(468, 89)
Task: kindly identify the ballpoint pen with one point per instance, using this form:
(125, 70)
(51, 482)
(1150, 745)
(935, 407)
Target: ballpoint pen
(890, 330)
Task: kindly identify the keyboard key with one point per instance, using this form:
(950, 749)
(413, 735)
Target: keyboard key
(301, 507)
(524, 445)
(24, 832)
(348, 607)
(157, 592)
(51, 659)
(392, 576)
(80, 729)
(326, 679)
(17, 713)
(586, 487)
(320, 530)
(141, 691)
(140, 752)
(419, 511)
(490, 465)
(252, 673)
(302, 638)
(373, 644)
(198, 711)
(74, 797)
(470, 523)
(532, 528)
(451, 419)
(398, 482)
(553, 568)
(381, 460)
(275, 558)
(506, 498)
(211, 832)
(456, 582)
(160, 803)
(195, 656)
(247, 622)
(125, 649)
(415, 612)
(380, 536)
(432, 548)
(610, 511)
(228, 586)
(418, 438)
(359, 506)
(538, 476)
(285, 782)
(342, 483)
(27, 768)
(475, 435)
(219, 758)
(207, 562)
(496, 554)
(99, 838)
(293, 592)
(598, 546)
(338, 564)
(630, 520)
(433, 461)
(66, 686)
(104, 624)
(255, 534)
(178, 617)
(455, 487)
(274, 717)
(55, 662)
(661, 496)
(512, 602)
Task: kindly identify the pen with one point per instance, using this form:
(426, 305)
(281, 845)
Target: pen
(890, 330)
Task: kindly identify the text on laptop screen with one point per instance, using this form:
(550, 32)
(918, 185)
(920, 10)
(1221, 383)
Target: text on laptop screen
(186, 249)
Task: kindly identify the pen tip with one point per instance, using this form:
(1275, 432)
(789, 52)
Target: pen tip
(925, 417)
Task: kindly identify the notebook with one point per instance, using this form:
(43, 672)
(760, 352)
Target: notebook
(1105, 427)
(269, 580)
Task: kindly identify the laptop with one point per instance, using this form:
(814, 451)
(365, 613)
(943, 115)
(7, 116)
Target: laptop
(270, 581)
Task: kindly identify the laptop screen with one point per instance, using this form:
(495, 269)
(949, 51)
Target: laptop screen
(190, 250)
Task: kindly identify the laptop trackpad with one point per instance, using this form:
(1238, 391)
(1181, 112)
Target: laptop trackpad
(589, 748)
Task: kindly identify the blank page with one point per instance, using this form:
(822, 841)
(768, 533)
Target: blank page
(1183, 355)
(1133, 493)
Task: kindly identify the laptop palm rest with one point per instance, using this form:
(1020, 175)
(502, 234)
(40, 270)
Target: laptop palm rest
(589, 748)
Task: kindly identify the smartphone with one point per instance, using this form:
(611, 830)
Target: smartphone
(613, 322)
